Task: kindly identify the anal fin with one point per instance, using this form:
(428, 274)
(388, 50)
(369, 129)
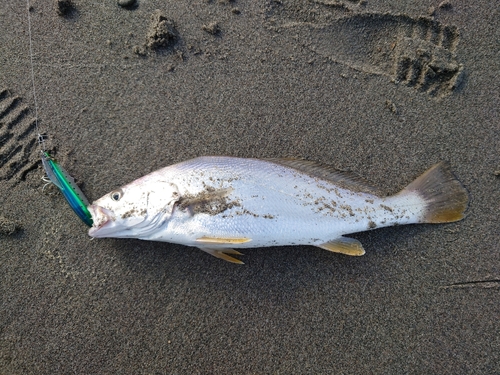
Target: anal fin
(223, 254)
(223, 240)
(344, 245)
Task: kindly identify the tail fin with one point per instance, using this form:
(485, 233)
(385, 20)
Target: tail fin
(445, 196)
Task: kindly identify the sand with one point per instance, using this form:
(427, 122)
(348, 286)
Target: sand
(383, 89)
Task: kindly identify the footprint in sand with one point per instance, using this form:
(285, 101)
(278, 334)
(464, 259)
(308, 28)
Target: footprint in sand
(418, 52)
(17, 138)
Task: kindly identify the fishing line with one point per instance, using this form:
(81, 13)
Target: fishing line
(54, 172)
(41, 138)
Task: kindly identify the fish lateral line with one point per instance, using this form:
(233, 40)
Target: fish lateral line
(66, 184)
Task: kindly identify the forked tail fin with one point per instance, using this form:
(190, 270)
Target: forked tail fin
(446, 199)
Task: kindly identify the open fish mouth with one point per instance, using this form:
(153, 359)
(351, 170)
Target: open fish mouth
(102, 218)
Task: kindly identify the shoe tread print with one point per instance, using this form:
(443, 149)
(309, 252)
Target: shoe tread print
(17, 138)
(416, 51)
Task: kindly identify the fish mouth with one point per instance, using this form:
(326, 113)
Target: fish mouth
(102, 218)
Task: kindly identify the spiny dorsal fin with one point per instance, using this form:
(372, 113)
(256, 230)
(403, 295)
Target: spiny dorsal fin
(344, 245)
(342, 179)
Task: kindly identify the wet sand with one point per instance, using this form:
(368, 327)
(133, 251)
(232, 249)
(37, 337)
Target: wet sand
(383, 89)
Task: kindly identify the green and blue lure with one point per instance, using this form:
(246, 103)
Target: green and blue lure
(75, 197)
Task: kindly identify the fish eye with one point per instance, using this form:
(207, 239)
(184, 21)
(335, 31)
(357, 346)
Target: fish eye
(116, 195)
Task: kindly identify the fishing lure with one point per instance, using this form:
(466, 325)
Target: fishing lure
(75, 197)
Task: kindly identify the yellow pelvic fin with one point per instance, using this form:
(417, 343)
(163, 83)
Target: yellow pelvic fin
(344, 245)
(222, 254)
(223, 240)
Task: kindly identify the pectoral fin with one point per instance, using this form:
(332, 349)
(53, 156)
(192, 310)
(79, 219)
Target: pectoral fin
(222, 254)
(222, 240)
(344, 245)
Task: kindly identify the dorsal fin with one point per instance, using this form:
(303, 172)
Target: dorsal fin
(343, 179)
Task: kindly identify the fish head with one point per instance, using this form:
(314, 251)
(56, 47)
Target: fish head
(134, 209)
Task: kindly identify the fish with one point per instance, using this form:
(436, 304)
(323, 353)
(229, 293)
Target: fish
(222, 204)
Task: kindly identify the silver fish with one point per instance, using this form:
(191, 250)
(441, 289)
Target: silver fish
(220, 204)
